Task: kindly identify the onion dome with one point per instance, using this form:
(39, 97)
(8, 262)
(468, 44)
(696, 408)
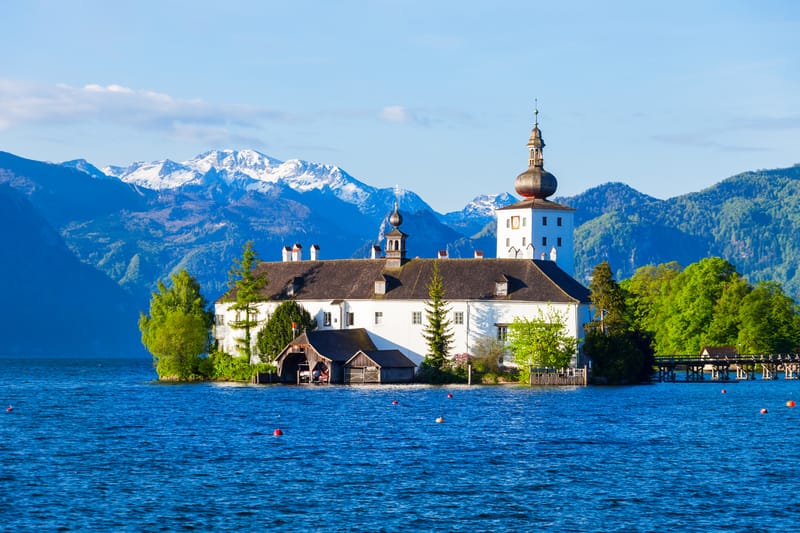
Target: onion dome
(536, 182)
(395, 219)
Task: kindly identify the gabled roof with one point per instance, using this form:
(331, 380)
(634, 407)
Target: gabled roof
(718, 350)
(337, 344)
(529, 280)
(386, 358)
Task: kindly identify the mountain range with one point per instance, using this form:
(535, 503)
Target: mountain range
(137, 224)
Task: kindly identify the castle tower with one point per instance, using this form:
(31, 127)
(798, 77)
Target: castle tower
(535, 227)
(395, 241)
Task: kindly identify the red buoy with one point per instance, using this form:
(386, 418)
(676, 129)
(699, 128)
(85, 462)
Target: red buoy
(449, 395)
(394, 402)
(724, 391)
(9, 409)
(764, 411)
(277, 433)
(790, 403)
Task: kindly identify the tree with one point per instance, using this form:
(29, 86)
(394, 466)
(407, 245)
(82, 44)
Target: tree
(437, 333)
(488, 354)
(726, 321)
(644, 294)
(278, 331)
(619, 352)
(608, 300)
(769, 321)
(541, 342)
(246, 287)
(177, 329)
(689, 306)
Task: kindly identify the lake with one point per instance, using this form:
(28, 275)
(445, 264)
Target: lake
(97, 445)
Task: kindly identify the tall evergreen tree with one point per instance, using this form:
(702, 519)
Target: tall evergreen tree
(619, 353)
(246, 286)
(177, 330)
(437, 333)
(278, 331)
(608, 300)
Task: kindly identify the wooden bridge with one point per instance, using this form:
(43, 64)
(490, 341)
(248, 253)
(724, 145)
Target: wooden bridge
(694, 368)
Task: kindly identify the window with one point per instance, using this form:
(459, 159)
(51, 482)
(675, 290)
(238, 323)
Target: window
(524, 221)
(326, 319)
(458, 317)
(544, 221)
(416, 317)
(508, 242)
(508, 222)
(558, 241)
(219, 320)
(351, 319)
(378, 317)
(523, 241)
(558, 221)
(502, 332)
(514, 222)
(544, 241)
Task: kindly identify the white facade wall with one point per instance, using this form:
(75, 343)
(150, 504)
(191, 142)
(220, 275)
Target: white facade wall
(395, 328)
(522, 234)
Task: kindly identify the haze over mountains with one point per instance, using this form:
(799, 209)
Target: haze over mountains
(140, 223)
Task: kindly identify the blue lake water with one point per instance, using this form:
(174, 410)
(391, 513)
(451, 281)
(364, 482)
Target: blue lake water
(96, 445)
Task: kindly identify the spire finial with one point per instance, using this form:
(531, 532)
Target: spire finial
(395, 219)
(536, 111)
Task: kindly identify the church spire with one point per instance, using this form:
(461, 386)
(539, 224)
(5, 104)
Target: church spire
(536, 182)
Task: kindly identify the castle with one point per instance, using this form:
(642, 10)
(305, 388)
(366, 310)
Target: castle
(385, 296)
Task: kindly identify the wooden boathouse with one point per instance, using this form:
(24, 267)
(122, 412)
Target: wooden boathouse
(341, 357)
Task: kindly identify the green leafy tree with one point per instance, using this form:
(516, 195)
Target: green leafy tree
(278, 331)
(246, 285)
(689, 306)
(541, 342)
(727, 318)
(644, 294)
(770, 322)
(437, 333)
(177, 329)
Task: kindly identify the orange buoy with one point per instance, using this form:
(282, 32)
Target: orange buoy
(764, 411)
(790, 403)
(440, 420)
(449, 394)
(277, 433)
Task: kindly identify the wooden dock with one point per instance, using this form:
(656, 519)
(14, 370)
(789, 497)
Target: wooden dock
(696, 369)
(559, 376)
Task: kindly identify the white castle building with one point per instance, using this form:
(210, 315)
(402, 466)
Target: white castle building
(385, 296)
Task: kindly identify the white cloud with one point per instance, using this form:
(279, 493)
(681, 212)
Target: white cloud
(25, 104)
(396, 113)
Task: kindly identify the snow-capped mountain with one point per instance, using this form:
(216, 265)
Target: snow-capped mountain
(252, 170)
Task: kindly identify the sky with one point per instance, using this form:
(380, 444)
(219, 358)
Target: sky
(433, 96)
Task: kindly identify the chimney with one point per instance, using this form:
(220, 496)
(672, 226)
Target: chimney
(297, 252)
(478, 254)
(287, 254)
(442, 254)
(553, 253)
(315, 252)
(376, 252)
(542, 256)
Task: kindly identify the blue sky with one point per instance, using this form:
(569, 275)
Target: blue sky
(433, 96)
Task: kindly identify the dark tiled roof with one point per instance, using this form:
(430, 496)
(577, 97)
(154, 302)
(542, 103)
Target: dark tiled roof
(389, 358)
(464, 279)
(530, 203)
(719, 350)
(337, 344)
